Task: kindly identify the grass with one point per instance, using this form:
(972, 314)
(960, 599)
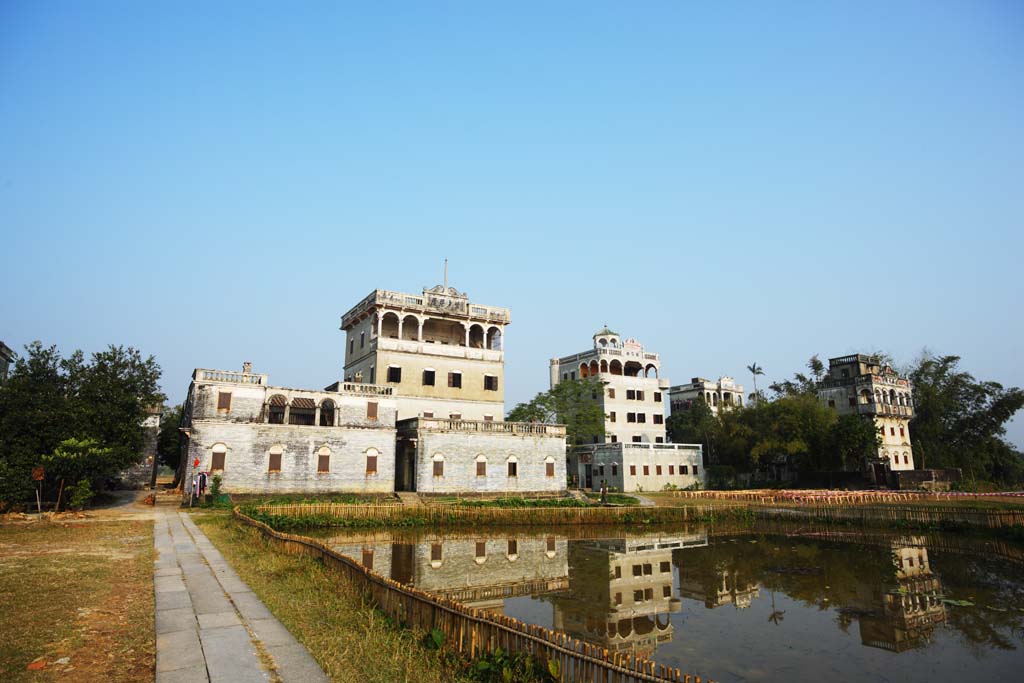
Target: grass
(514, 502)
(616, 498)
(298, 499)
(83, 592)
(348, 638)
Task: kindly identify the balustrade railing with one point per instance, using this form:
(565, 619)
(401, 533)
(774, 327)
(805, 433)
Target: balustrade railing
(234, 377)
(489, 427)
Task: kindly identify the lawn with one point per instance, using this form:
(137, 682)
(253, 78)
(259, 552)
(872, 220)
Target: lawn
(349, 639)
(76, 602)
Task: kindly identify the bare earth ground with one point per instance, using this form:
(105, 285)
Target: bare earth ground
(76, 598)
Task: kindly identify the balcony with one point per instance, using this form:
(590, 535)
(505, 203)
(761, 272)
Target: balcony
(885, 409)
(228, 377)
(427, 304)
(431, 349)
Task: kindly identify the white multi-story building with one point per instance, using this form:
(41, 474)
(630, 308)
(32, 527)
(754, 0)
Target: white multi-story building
(442, 354)
(861, 385)
(724, 393)
(632, 454)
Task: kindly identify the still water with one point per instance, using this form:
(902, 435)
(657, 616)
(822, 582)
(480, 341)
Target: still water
(741, 605)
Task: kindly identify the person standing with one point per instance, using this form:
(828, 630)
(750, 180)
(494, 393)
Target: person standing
(604, 492)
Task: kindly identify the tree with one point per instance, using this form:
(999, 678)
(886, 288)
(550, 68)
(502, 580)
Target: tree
(801, 384)
(570, 402)
(168, 446)
(85, 460)
(960, 422)
(853, 441)
(755, 370)
(49, 400)
(696, 424)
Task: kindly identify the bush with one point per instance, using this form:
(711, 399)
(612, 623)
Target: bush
(215, 484)
(80, 494)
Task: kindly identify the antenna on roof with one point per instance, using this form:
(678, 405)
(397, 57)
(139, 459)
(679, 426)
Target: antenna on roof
(446, 273)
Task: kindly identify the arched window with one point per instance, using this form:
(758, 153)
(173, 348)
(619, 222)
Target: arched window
(481, 465)
(389, 325)
(604, 366)
(584, 370)
(218, 454)
(513, 466)
(615, 367)
(276, 409)
(603, 342)
(593, 368)
(274, 464)
(512, 550)
(438, 465)
(302, 411)
(323, 459)
(494, 340)
(371, 461)
(327, 413)
(549, 466)
(476, 336)
(650, 371)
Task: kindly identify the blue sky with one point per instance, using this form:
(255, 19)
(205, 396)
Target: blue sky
(729, 183)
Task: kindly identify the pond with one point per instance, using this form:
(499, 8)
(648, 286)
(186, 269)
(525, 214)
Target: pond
(746, 604)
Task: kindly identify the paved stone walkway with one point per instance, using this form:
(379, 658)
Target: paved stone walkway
(210, 628)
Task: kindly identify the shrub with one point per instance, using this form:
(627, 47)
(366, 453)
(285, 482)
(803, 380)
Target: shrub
(80, 494)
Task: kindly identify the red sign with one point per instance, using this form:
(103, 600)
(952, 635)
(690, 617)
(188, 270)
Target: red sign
(38, 474)
(195, 463)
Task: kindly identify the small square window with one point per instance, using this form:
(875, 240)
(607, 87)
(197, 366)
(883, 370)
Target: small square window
(428, 378)
(394, 375)
(683, 469)
(657, 397)
(224, 400)
(666, 591)
(455, 380)
(490, 383)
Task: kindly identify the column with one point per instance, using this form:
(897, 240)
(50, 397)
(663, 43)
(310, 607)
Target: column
(401, 321)
(380, 324)
(419, 335)
(316, 416)
(287, 411)
(466, 325)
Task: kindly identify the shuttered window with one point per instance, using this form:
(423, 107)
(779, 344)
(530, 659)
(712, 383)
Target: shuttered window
(549, 469)
(481, 468)
(481, 549)
(323, 463)
(513, 546)
(611, 393)
(218, 460)
(224, 400)
(428, 378)
(371, 463)
(435, 552)
(275, 462)
(439, 468)
(455, 380)
(490, 383)
(657, 470)
(513, 468)
(371, 410)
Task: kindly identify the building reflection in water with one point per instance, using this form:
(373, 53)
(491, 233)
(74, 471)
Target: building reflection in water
(479, 572)
(620, 592)
(912, 611)
(732, 589)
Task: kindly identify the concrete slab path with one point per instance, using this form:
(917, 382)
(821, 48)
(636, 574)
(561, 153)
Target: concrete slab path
(210, 628)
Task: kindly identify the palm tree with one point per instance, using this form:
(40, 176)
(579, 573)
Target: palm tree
(755, 370)
(776, 616)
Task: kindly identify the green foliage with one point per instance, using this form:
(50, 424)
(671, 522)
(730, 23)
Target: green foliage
(49, 400)
(514, 502)
(570, 402)
(522, 667)
(85, 460)
(960, 421)
(215, 484)
(167, 444)
(80, 494)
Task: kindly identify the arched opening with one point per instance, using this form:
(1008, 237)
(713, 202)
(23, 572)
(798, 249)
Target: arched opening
(481, 465)
(410, 327)
(615, 367)
(650, 371)
(865, 396)
(584, 370)
(274, 461)
(714, 399)
(276, 409)
(302, 412)
(707, 397)
(604, 366)
(593, 368)
(633, 369)
(372, 455)
(443, 332)
(476, 337)
(327, 413)
(603, 342)
(892, 397)
(218, 456)
(389, 325)
(494, 338)
(613, 342)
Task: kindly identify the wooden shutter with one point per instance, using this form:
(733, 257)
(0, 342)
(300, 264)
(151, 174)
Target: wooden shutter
(218, 461)
(551, 544)
(549, 469)
(481, 468)
(275, 462)
(513, 469)
(435, 552)
(371, 464)
(481, 549)
(513, 547)
(323, 463)
(224, 400)
(439, 468)
(371, 410)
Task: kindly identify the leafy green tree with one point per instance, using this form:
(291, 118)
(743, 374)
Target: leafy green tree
(791, 429)
(961, 422)
(801, 384)
(167, 442)
(696, 424)
(570, 402)
(853, 441)
(85, 460)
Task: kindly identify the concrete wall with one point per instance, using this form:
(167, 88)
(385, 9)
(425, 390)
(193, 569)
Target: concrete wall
(248, 457)
(618, 467)
(460, 451)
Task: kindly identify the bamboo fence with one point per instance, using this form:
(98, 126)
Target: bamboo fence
(472, 632)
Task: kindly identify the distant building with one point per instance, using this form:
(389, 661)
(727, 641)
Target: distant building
(6, 358)
(632, 454)
(861, 385)
(142, 473)
(724, 393)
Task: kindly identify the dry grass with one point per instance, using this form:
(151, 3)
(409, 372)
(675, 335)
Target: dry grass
(80, 592)
(349, 639)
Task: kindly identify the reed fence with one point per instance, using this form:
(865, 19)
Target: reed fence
(814, 497)
(913, 515)
(474, 633)
(455, 515)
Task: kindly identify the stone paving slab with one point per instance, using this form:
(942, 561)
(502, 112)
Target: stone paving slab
(210, 626)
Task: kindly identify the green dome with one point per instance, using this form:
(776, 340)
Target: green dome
(605, 332)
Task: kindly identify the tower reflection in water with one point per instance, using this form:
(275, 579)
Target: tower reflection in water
(910, 612)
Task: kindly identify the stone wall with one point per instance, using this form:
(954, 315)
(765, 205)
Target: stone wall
(141, 474)
(247, 459)
(932, 480)
(460, 450)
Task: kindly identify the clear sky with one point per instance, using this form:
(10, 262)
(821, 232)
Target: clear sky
(729, 183)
